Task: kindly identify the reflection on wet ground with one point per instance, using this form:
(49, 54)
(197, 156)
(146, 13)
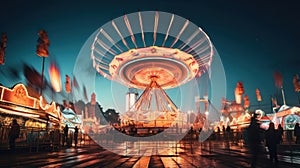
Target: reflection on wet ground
(150, 154)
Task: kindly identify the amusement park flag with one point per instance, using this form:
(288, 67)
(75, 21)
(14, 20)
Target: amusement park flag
(75, 83)
(2, 48)
(278, 79)
(85, 93)
(274, 102)
(68, 84)
(258, 96)
(296, 83)
(43, 44)
(246, 102)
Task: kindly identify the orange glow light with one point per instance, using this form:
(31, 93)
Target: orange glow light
(55, 77)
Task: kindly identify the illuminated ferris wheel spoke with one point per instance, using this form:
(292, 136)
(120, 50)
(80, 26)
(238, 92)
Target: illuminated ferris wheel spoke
(130, 30)
(111, 40)
(180, 33)
(155, 27)
(142, 30)
(119, 33)
(167, 33)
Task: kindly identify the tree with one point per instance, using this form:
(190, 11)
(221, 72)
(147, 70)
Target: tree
(112, 116)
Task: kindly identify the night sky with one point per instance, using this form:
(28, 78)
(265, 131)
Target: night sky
(253, 38)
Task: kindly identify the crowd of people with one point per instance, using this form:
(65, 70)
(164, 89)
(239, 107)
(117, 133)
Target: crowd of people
(270, 139)
(69, 139)
(67, 136)
(259, 140)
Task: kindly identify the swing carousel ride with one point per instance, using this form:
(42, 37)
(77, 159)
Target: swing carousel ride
(153, 52)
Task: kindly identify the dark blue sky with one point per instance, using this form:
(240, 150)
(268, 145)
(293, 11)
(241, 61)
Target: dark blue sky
(253, 38)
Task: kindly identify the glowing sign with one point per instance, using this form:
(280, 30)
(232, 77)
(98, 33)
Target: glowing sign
(18, 95)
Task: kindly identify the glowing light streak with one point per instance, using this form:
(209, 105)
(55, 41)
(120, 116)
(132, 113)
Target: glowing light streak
(119, 33)
(55, 77)
(99, 52)
(93, 45)
(210, 43)
(129, 30)
(195, 45)
(105, 67)
(142, 30)
(167, 34)
(103, 73)
(2, 92)
(155, 27)
(190, 39)
(19, 113)
(111, 40)
(180, 33)
(104, 46)
(52, 109)
(202, 49)
(207, 56)
(202, 62)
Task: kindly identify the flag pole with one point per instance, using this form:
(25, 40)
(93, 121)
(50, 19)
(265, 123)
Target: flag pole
(298, 97)
(283, 97)
(42, 81)
(42, 51)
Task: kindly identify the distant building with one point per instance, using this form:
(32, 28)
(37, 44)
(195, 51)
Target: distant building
(91, 115)
(131, 97)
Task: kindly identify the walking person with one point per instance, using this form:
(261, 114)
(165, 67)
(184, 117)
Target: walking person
(272, 140)
(65, 137)
(297, 133)
(280, 132)
(254, 140)
(224, 132)
(76, 135)
(13, 134)
(228, 132)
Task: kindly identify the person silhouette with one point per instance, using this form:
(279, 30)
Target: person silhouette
(280, 133)
(76, 135)
(272, 139)
(254, 140)
(297, 133)
(13, 134)
(66, 131)
(228, 133)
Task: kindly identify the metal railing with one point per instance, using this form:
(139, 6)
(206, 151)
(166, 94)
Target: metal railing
(35, 139)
